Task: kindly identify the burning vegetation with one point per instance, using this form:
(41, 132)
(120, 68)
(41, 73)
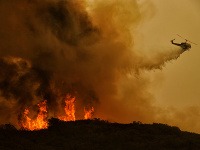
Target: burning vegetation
(88, 112)
(69, 109)
(41, 120)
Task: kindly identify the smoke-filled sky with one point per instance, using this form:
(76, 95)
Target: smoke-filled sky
(113, 55)
(181, 77)
(176, 87)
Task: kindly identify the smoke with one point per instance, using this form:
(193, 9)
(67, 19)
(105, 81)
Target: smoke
(51, 48)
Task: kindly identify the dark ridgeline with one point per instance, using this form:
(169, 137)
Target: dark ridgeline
(98, 134)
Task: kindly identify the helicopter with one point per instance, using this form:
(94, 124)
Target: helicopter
(184, 45)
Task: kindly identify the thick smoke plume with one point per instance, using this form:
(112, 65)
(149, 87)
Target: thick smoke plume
(49, 48)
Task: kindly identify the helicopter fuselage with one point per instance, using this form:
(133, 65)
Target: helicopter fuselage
(183, 45)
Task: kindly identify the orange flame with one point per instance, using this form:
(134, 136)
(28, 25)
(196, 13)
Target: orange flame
(40, 122)
(69, 109)
(88, 113)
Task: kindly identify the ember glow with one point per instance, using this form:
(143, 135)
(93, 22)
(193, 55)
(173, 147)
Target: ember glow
(35, 124)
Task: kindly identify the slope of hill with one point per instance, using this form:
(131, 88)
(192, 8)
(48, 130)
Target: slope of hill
(97, 134)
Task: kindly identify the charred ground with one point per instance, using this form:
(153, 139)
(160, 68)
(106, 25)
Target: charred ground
(98, 134)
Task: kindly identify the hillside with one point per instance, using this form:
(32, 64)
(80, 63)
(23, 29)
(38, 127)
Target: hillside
(97, 134)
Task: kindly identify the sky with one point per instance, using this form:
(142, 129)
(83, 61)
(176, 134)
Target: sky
(176, 86)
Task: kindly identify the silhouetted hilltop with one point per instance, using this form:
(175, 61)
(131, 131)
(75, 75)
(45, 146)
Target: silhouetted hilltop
(98, 135)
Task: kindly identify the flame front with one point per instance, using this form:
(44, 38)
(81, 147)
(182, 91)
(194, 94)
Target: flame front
(40, 122)
(69, 109)
(88, 113)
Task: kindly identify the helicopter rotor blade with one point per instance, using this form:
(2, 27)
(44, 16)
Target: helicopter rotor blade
(181, 36)
(191, 42)
(186, 39)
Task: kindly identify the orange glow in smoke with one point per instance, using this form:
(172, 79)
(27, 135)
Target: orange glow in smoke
(41, 120)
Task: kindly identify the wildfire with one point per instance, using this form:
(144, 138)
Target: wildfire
(41, 120)
(69, 109)
(88, 112)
